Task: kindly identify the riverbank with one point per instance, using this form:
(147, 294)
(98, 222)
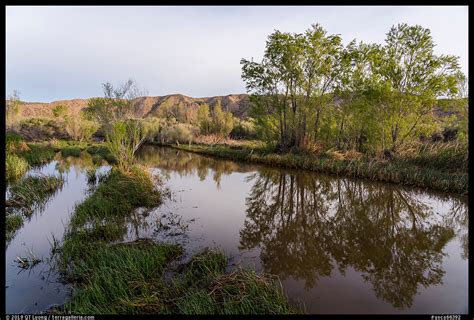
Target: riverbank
(415, 172)
(113, 277)
(444, 169)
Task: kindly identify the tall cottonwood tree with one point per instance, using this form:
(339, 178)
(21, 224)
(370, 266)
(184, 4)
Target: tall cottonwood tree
(413, 77)
(308, 88)
(292, 84)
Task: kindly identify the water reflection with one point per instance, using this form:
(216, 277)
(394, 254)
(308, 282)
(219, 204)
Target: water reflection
(188, 164)
(306, 225)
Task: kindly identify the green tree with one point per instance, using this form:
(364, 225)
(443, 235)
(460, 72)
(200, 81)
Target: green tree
(204, 119)
(412, 77)
(292, 85)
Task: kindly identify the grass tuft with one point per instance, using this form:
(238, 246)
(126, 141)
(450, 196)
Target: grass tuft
(15, 167)
(71, 151)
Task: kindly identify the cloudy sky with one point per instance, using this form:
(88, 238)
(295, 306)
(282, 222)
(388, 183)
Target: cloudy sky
(67, 52)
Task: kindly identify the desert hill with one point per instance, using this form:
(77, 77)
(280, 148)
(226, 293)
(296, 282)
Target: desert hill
(238, 104)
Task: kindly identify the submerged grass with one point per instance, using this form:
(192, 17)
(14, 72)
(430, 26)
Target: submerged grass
(13, 222)
(32, 192)
(417, 171)
(26, 195)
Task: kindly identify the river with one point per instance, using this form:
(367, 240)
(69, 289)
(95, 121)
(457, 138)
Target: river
(338, 245)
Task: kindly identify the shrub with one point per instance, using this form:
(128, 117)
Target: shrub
(244, 129)
(79, 128)
(14, 143)
(177, 133)
(71, 152)
(124, 140)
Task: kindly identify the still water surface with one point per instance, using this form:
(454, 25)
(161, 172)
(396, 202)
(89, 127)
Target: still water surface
(338, 245)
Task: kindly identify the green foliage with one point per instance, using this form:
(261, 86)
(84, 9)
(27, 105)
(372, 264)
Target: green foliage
(124, 140)
(309, 89)
(59, 111)
(223, 122)
(244, 129)
(71, 152)
(219, 122)
(204, 119)
(119, 104)
(177, 133)
(15, 167)
(14, 143)
(38, 153)
(79, 127)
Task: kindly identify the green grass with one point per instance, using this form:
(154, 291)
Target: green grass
(205, 288)
(14, 143)
(111, 277)
(59, 145)
(121, 279)
(32, 192)
(15, 167)
(449, 157)
(13, 222)
(104, 211)
(38, 154)
(71, 151)
(408, 172)
(117, 278)
(26, 195)
(101, 152)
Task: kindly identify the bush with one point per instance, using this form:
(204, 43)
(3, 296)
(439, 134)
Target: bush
(244, 129)
(124, 140)
(79, 128)
(177, 133)
(14, 143)
(38, 153)
(41, 129)
(71, 152)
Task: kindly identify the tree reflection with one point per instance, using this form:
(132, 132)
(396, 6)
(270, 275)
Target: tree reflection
(307, 224)
(187, 164)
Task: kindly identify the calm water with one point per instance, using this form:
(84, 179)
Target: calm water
(338, 245)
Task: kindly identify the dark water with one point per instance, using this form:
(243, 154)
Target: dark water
(338, 245)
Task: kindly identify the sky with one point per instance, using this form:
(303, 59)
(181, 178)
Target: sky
(67, 52)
